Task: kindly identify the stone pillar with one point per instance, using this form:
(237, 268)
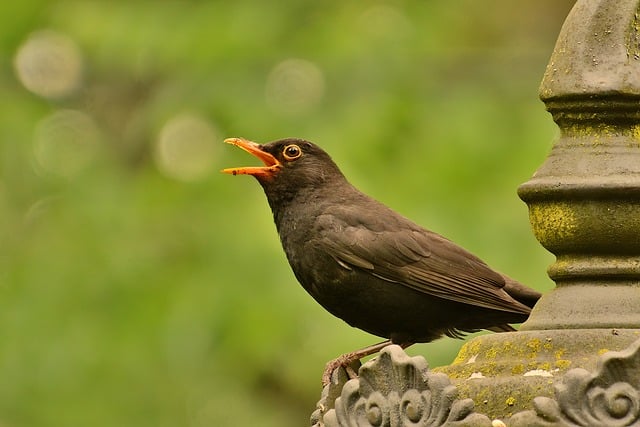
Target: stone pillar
(576, 361)
(584, 201)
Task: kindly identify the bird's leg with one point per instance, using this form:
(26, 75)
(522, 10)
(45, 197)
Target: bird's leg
(346, 359)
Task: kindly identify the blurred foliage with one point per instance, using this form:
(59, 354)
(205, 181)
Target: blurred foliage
(140, 287)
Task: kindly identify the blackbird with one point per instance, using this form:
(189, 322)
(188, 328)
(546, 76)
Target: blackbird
(370, 266)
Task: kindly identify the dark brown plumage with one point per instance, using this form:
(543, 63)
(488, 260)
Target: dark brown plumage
(370, 266)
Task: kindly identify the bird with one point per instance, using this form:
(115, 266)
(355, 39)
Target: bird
(370, 266)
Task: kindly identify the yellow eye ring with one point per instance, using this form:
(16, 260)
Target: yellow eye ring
(291, 152)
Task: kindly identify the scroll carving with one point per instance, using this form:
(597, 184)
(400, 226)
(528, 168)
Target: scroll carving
(397, 390)
(609, 396)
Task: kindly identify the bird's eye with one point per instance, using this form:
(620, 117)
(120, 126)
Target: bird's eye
(291, 152)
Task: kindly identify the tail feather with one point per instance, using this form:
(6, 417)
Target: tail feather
(502, 328)
(521, 293)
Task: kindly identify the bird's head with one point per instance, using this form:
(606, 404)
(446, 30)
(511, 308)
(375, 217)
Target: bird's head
(289, 165)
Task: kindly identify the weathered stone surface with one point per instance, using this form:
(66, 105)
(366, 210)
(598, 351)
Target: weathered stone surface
(608, 396)
(597, 52)
(504, 373)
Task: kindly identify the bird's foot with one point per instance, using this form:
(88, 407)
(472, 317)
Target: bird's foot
(343, 361)
(347, 359)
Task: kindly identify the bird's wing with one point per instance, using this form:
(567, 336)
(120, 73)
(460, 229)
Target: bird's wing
(394, 249)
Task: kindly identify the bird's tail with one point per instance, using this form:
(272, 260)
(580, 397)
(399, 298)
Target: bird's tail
(520, 292)
(502, 328)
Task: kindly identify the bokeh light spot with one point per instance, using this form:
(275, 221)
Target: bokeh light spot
(65, 142)
(186, 149)
(294, 86)
(49, 64)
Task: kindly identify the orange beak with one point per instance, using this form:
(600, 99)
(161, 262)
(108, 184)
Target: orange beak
(271, 164)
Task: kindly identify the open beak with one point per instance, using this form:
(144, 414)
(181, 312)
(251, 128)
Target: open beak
(271, 164)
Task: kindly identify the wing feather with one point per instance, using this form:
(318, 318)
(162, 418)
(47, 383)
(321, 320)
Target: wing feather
(401, 252)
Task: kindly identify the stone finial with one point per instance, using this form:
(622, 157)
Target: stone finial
(584, 201)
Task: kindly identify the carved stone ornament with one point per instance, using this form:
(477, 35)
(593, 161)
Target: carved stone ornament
(609, 396)
(396, 390)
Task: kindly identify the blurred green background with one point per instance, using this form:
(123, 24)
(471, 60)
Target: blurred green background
(141, 287)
